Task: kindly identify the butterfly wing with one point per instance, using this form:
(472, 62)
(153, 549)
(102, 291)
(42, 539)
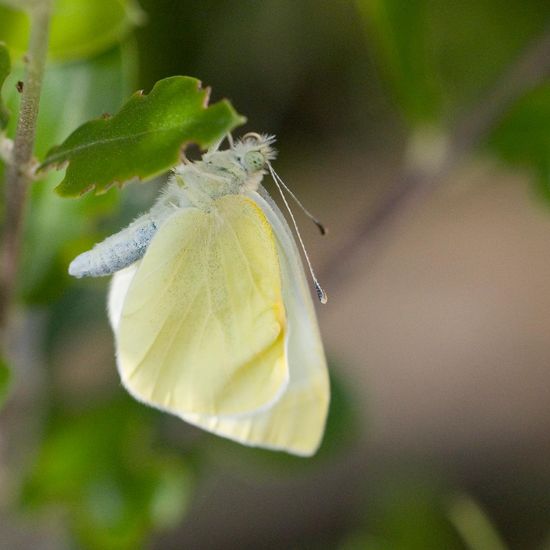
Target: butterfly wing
(202, 326)
(295, 423)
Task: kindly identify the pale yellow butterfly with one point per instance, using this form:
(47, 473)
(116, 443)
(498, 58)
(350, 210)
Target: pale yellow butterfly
(212, 315)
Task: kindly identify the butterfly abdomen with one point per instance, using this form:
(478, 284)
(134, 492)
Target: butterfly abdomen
(116, 252)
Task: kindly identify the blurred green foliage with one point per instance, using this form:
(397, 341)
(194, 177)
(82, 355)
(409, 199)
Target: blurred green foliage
(102, 466)
(435, 68)
(473, 525)
(523, 137)
(440, 56)
(411, 514)
(417, 512)
(80, 29)
(401, 33)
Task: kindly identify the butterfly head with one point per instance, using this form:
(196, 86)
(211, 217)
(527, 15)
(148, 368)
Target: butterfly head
(254, 151)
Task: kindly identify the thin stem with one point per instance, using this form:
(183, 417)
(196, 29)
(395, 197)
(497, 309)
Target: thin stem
(18, 176)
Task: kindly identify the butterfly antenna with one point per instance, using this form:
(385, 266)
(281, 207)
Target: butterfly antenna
(321, 294)
(320, 226)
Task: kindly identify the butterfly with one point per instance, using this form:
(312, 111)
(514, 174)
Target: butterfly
(212, 315)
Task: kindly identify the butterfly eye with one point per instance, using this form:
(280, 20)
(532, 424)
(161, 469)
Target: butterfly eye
(253, 160)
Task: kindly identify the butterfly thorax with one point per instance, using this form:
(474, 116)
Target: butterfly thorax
(236, 170)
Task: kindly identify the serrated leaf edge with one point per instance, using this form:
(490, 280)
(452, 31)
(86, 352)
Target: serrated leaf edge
(50, 162)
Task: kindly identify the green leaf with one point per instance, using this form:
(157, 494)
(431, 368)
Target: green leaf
(522, 137)
(5, 68)
(5, 381)
(143, 139)
(79, 29)
(399, 31)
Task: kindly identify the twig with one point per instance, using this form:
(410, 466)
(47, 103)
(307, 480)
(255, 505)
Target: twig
(415, 180)
(18, 174)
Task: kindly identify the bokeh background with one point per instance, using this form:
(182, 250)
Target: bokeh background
(419, 132)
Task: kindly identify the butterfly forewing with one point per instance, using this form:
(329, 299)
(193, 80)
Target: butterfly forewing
(203, 325)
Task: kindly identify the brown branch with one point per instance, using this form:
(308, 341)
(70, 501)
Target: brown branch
(415, 180)
(18, 175)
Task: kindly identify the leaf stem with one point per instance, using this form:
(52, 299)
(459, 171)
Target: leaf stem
(18, 176)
